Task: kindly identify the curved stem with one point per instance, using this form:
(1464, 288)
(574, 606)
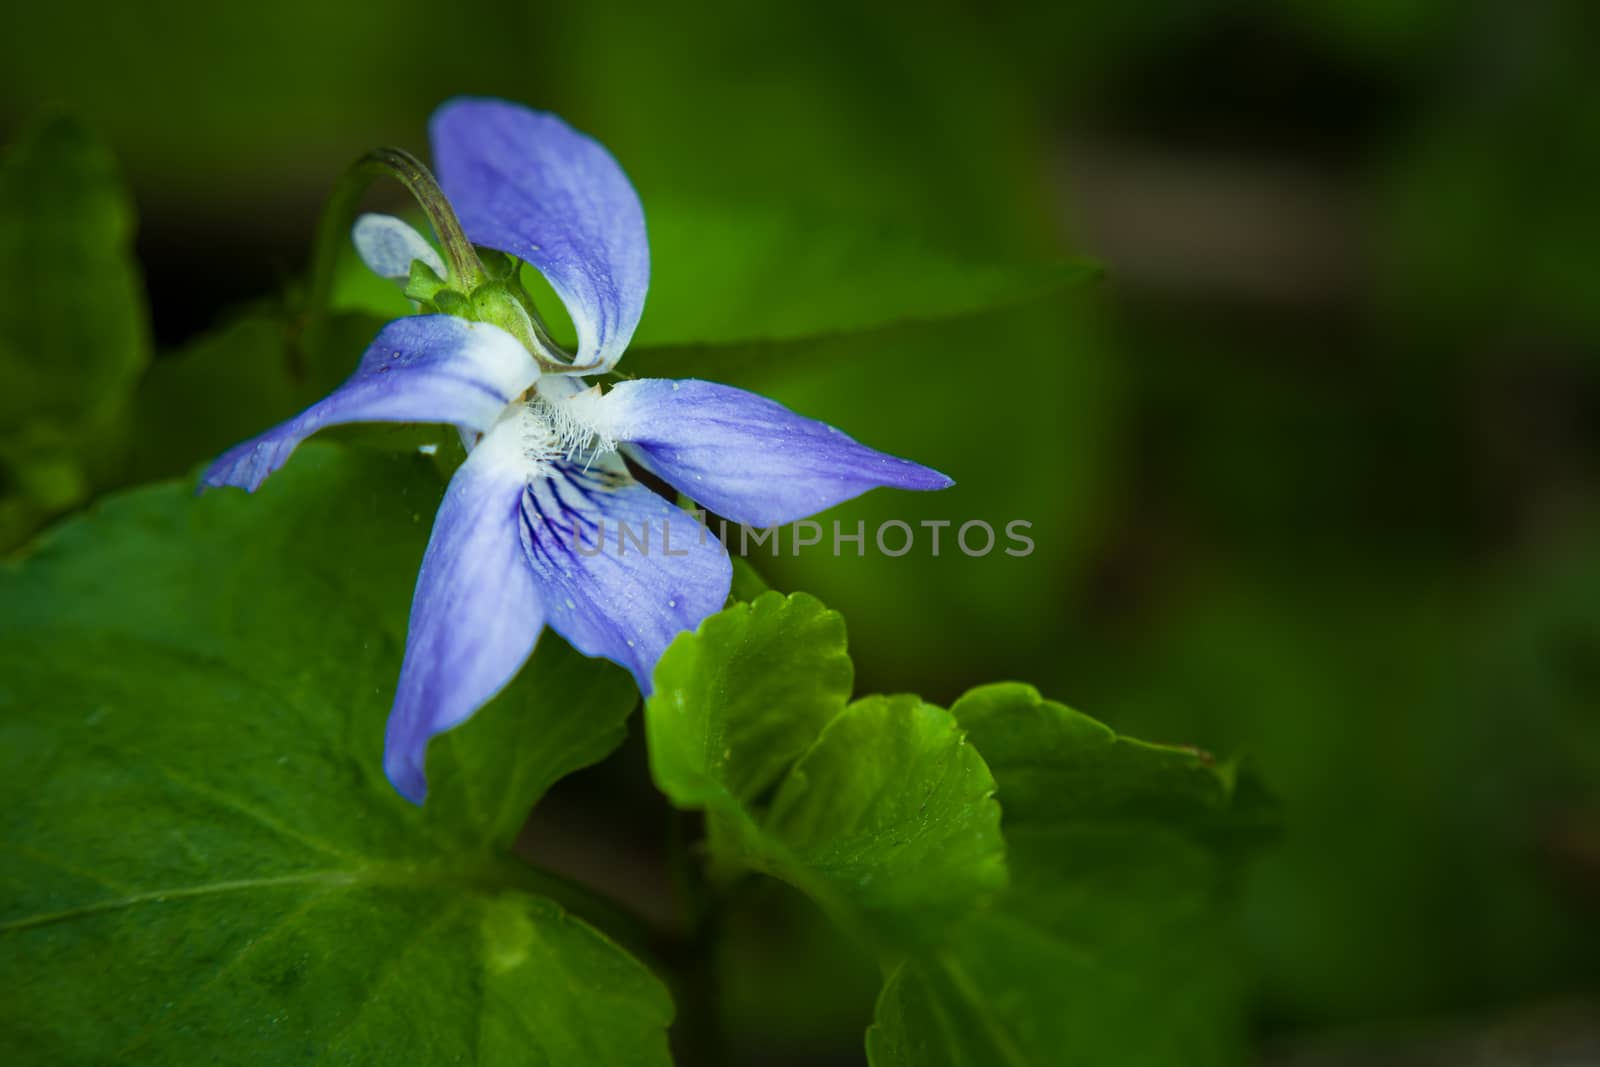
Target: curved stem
(465, 269)
(466, 272)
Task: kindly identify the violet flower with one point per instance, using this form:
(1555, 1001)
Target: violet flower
(517, 544)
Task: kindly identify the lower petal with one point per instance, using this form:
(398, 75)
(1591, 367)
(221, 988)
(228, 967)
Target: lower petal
(620, 570)
(476, 612)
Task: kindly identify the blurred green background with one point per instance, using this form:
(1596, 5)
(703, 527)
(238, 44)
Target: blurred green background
(1310, 466)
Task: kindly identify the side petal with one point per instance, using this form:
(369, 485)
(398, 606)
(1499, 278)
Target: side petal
(525, 182)
(621, 571)
(432, 368)
(476, 613)
(747, 458)
(388, 245)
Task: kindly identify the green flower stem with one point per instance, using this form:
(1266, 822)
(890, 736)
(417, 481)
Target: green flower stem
(695, 972)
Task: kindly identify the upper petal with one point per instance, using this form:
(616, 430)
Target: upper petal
(432, 368)
(476, 613)
(525, 182)
(621, 571)
(747, 458)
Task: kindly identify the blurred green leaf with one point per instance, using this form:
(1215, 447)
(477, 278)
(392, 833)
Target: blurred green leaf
(885, 817)
(744, 272)
(789, 978)
(250, 374)
(747, 581)
(355, 288)
(218, 390)
(849, 111)
(1109, 946)
(72, 325)
(1461, 843)
(1484, 243)
(201, 850)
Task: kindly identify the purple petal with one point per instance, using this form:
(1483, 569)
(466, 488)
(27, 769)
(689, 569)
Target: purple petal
(432, 368)
(476, 613)
(621, 571)
(747, 458)
(526, 183)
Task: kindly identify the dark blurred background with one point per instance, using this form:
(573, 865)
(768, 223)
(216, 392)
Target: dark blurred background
(1310, 466)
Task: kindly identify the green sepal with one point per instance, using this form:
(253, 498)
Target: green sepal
(450, 302)
(495, 303)
(497, 265)
(424, 285)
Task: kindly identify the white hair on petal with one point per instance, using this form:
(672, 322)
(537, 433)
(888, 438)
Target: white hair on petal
(581, 424)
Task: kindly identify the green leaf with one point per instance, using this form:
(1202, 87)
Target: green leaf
(736, 273)
(1105, 951)
(73, 337)
(737, 702)
(1057, 765)
(202, 856)
(888, 820)
(885, 816)
(1110, 946)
